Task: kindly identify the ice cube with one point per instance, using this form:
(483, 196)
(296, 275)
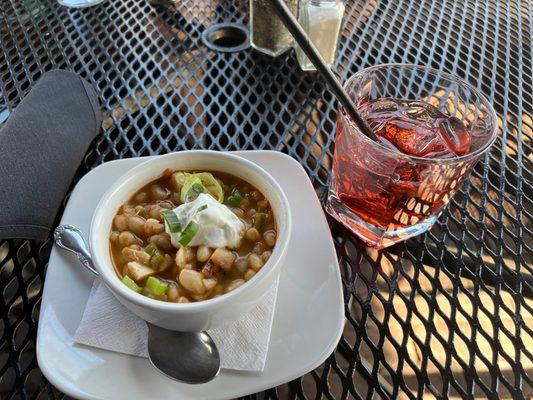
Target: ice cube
(417, 128)
(455, 135)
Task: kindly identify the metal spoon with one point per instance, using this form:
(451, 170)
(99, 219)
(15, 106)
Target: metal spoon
(190, 357)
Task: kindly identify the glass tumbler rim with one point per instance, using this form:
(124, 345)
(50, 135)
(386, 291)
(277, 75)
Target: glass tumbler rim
(462, 82)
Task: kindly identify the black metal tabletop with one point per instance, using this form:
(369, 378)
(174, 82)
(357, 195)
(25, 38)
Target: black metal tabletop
(449, 313)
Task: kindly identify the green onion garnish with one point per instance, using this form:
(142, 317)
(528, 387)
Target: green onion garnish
(201, 208)
(156, 260)
(212, 184)
(172, 221)
(155, 286)
(198, 188)
(150, 248)
(131, 284)
(186, 194)
(201, 182)
(259, 220)
(188, 233)
(235, 198)
(194, 192)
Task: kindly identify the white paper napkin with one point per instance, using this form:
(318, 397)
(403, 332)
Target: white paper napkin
(243, 345)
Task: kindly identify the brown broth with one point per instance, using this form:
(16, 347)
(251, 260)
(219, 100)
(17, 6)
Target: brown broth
(162, 193)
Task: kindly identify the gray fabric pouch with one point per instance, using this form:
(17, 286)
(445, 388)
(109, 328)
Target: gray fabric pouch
(41, 146)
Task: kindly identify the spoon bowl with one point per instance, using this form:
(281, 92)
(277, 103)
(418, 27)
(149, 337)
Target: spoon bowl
(184, 356)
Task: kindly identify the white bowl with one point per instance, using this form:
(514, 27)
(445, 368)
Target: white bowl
(203, 315)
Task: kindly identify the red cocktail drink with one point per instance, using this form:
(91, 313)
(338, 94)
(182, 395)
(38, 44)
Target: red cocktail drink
(390, 190)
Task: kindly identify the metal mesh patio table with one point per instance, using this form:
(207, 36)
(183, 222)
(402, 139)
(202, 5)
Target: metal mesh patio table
(449, 313)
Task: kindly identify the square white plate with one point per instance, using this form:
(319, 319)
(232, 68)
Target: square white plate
(308, 320)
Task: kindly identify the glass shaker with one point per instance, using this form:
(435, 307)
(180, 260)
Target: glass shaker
(268, 34)
(322, 21)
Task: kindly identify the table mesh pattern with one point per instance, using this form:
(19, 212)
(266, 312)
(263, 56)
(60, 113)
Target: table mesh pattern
(449, 313)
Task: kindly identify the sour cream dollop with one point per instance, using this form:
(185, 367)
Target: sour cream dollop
(218, 225)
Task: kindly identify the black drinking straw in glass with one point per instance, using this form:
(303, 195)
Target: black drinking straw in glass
(310, 51)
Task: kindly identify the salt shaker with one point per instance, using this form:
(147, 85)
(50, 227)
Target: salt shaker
(322, 21)
(268, 33)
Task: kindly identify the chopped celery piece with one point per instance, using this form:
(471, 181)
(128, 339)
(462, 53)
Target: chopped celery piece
(131, 284)
(155, 286)
(151, 248)
(235, 198)
(259, 220)
(201, 208)
(157, 259)
(188, 233)
(172, 221)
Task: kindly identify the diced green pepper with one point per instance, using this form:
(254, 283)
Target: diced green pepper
(156, 259)
(155, 286)
(172, 221)
(201, 208)
(131, 284)
(188, 233)
(259, 220)
(235, 198)
(151, 248)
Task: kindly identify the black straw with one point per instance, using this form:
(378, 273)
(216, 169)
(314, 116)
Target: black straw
(310, 50)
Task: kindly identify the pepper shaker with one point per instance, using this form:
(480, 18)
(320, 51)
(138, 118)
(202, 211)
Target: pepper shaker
(322, 21)
(267, 32)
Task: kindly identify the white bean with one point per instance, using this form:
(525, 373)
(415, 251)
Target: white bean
(153, 226)
(126, 238)
(203, 253)
(114, 236)
(255, 262)
(121, 222)
(172, 292)
(154, 212)
(157, 192)
(136, 224)
(162, 241)
(185, 258)
(252, 235)
(265, 256)
(241, 264)
(269, 238)
(249, 274)
(234, 285)
(141, 197)
(223, 258)
(192, 281)
(209, 283)
(131, 253)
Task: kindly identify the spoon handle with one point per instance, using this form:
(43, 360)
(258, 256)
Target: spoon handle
(69, 238)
